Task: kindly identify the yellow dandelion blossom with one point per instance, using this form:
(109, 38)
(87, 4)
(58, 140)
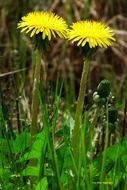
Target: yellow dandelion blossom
(92, 33)
(46, 23)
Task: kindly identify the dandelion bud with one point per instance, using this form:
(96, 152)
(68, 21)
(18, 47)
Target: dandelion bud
(96, 98)
(112, 115)
(104, 89)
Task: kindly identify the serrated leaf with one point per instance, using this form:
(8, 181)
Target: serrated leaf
(37, 147)
(30, 171)
(116, 151)
(5, 145)
(43, 184)
(5, 173)
(113, 155)
(21, 142)
(30, 155)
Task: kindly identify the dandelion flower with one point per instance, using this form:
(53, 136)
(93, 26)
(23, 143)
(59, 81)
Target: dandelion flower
(89, 35)
(42, 26)
(92, 33)
(46, 23)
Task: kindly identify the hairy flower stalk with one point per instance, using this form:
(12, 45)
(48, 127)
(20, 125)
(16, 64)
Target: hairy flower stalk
(88, 35)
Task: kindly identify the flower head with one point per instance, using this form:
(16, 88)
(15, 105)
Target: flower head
(46, 23)
(91, 32)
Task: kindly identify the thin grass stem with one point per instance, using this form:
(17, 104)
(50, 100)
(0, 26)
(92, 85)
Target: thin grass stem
(90, 142)
(35, 98)
(104, 152)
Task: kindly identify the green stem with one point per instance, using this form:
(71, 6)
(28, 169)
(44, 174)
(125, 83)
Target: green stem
(84, 145)
(35, 98)
(56, 163)
(73, 162)
(92, 128)
(104, 152)
(47, 127)
(54, 124)
(79, 109)
(89, 142)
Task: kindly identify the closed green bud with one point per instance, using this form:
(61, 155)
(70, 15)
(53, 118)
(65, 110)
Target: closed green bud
(104, 89)
(112, 115)
(96, 98)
